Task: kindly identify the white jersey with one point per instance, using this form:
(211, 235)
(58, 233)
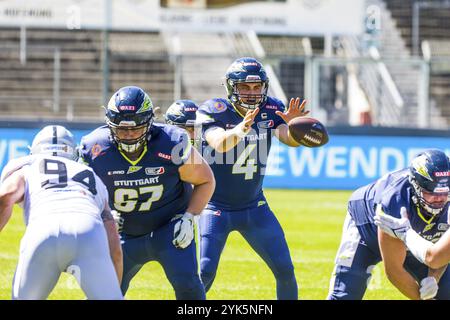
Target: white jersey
(56, 185)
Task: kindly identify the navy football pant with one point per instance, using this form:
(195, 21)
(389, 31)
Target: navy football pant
(180, 265)
(357, 256)
(262, 231)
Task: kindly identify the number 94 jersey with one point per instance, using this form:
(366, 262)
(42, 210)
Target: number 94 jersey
(239, 172)
(56, 185)
(147, 192)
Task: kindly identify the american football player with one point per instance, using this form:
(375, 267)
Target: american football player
(148, 169)
(236, 140)
(181, 113)
(66, 212)
(419, 192)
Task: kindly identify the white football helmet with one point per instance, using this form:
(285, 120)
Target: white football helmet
(56, 141)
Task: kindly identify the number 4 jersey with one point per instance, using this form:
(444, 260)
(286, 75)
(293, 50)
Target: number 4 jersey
(56, 185)
(239, 172)
(147, 192)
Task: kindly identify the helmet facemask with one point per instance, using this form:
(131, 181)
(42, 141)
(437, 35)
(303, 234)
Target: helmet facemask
(246, 101)
(133, 145)
(420, 194)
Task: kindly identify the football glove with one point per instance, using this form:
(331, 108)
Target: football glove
(183, 232)
(428, 288)
(394, 227)
(118, 220)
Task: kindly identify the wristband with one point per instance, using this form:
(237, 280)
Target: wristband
(239, 131)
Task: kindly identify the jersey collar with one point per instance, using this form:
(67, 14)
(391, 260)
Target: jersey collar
(135, 162)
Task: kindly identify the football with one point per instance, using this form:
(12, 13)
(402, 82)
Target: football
(308, 132)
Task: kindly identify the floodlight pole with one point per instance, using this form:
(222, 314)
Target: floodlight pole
(105, 51)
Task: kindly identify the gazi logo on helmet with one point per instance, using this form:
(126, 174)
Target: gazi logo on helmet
(129, 115)
(246, 83)
(429, 177)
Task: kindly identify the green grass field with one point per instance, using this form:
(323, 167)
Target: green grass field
(312, 221)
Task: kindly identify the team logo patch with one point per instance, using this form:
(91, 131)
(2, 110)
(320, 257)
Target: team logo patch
(428, 227)
(219, 106)
(164, 156)
(111, 173)
(442, 174)
(443, 227)
(266, 124)
(154, 171)
(419, 164)
(133, 169)
(127, 108)
(96, 149)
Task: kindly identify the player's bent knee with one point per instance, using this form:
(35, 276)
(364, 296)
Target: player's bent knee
(188, 288)
(208, 279)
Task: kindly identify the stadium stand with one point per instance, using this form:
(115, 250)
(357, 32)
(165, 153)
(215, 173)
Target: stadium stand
(26, 89)
(434, 17)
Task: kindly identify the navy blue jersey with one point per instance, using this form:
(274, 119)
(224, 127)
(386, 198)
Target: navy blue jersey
(393, 191)
(240, 171)
(148, 192)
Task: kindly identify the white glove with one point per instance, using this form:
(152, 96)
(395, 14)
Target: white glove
(118, 220)
(428, 288)
(394, 227)
(183, 233)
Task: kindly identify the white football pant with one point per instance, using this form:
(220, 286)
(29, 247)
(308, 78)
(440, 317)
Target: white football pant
(73, 243)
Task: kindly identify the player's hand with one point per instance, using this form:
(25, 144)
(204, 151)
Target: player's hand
(118, 220)
(294, 110)
(394, 227)
(428, 288)
(249, 119)
(243, 128)
(183, 233)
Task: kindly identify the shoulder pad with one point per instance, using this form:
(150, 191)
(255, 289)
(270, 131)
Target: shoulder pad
(214, 106)
(16, 164)
(274, 104)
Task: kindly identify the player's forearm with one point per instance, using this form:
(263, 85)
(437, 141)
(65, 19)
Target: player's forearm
(115, 248)
(437, 273)
(404, 282)
(226, 140)
(5, 214)
(200, 196)
(435, 258)
(437, 255)
(283, 134)
(433, 255)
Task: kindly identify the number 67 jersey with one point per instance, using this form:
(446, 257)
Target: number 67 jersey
(148, 192)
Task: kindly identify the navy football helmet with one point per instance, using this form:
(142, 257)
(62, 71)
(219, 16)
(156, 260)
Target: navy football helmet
(246, 70)
(130, 110)
(429, 173)
(181, 113)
